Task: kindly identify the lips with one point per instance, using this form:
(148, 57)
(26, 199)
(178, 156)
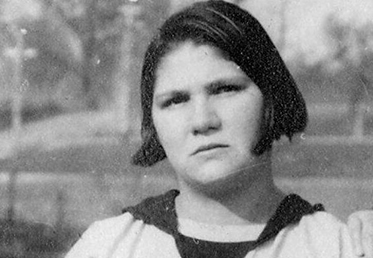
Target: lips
(209, 147)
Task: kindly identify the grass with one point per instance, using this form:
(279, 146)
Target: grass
(75, 169)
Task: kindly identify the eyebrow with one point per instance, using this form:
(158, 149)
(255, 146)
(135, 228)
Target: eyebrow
(225, 82)
(239, 80)
(168, 94)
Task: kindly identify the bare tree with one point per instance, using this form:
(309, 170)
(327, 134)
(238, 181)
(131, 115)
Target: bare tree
(352, 54)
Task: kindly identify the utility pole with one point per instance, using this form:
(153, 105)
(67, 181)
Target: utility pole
(17, 54)
(14, 13)
(283, 25)
(124, 75)
(89, 52)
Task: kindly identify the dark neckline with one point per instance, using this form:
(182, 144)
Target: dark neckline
(160, 212)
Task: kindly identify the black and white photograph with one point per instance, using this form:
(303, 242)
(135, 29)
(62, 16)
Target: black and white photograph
(186, 128)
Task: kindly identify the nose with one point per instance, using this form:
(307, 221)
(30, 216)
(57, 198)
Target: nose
(205, 119)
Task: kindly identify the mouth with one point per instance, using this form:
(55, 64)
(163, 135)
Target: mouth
(209, 147)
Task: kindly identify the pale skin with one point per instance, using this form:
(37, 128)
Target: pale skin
(198, 101)
(197, 112)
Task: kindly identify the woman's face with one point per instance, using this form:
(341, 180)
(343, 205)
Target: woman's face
(206, 112)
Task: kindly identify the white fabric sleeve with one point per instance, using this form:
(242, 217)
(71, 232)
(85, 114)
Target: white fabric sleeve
(86, 246)
(318, 235)
(101, 237)
(327, 236)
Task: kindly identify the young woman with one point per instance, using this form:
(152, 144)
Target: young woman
(215, 95)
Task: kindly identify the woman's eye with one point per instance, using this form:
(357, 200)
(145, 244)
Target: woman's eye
(175, 101)
(227, 89)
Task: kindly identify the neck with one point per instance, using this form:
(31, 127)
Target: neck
(250, 197)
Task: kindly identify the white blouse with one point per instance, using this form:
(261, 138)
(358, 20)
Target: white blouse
(318, 235)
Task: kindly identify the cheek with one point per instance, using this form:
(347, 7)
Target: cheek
(245, 121)
(169, 130)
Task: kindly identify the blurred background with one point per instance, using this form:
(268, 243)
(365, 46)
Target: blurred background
(70, 113)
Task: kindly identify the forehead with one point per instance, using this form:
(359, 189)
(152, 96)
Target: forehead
(190, 64)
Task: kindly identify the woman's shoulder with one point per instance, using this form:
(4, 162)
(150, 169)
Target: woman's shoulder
(322, 221)
(312, 232)
(318, 234)
(100, 236)
(302, 215)
(322, 233)
(146, 210)
(112, 224)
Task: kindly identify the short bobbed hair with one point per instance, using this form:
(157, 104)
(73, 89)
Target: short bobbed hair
(241, 39)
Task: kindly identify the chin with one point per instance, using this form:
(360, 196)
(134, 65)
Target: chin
(216, 178)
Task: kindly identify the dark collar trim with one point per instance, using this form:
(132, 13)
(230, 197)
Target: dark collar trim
(290, 211)
(160, 212)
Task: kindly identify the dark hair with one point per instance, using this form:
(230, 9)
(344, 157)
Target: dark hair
(241, 38)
